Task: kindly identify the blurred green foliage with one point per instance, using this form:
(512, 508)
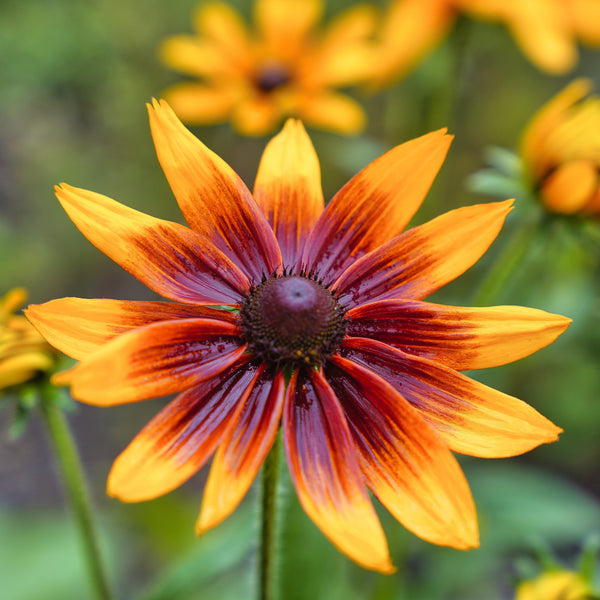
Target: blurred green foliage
(75, 77)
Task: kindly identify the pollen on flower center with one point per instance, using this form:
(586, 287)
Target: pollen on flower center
(271, 76)
(292, 319)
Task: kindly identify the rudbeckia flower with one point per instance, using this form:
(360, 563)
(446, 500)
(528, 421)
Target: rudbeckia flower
(547, 31)
(285, 67)
(556, 585)
(325, 332)
(561, 151)
(24, 353)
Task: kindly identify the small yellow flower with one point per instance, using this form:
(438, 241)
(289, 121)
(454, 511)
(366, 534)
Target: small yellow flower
(547, 31)
(284, 67)
(23, 351)
(558, 585)
(561, 151)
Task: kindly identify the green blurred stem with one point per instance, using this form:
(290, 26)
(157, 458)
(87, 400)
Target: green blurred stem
(509, 260)
(69, 463)
(268, 562)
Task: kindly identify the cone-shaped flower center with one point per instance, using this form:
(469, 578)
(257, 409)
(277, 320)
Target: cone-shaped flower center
(292, 319)
(271, 76)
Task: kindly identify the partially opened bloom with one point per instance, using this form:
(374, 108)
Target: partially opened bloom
(561, 151)
(24, 353)
(284, 67)
(547, 31)
(556, 585)
(327, 333)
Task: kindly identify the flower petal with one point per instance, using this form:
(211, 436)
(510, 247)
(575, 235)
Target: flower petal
(332, 112)
(288, 188)
(404, 462)
(181, 438)
(78, 326)
(420, 261)
(375, 205)
(193, 56)
(200, 104)
(470, 417)
(158, 359)
(170, 259)
(243, 450)
(213, 199)
(459, 337)
(322, 461)
(570, 187)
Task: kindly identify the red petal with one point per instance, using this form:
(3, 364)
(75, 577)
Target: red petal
(243, 450)
(322, 461)
(459, 337)
(213, 199)
(78, 326)
(181, 438)
(158, 359)
(375, 205)
(403, 460)
(469, 416)
(423, 259)
(170, 259)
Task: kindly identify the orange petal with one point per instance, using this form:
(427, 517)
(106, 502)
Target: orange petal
(331, 112)
(200, 104)
(288, 188)
(425, 258)
(181, 438)
(375, 205)
(322, 461)
(170, 259)
(459, 337)
(213, 199)
(192, 56)
(470, 417)
(256, 115)
(568, 189)
(78, 326)
(158, 359)
(243, 450)
(404, 462)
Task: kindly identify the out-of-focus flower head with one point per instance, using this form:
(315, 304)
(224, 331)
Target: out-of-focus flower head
(284, 67)
(547, 31)
(23, 351)
(325, 332)
(556, 585)
(561, 151)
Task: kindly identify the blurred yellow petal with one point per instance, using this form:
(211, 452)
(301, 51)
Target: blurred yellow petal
(559, 585)
(568, 189)
(333, 112)
(199, 104)
(193, 56)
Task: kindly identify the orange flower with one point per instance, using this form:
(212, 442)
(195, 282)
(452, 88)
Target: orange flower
(284, 69)
(546, 30)
(561, 151)
(326, 332)
(24, 354)
(557, 585)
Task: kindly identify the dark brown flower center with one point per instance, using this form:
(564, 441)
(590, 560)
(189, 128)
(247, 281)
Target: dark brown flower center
(292, 320)
(271, 76)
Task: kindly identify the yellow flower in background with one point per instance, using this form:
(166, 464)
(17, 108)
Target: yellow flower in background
(547, 31)
(284, 67)
(23, 351)
(561, 151)
(558, 585)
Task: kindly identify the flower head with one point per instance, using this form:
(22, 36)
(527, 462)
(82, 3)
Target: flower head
(561, 151)
(327, 333)
(555, 585)
(285, 67)
(23, 351)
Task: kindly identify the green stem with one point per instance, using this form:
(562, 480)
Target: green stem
(71, 470)
(500, 272)
(268, 584)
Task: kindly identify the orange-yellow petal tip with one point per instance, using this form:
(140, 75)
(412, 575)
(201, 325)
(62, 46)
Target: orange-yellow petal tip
(63, 378)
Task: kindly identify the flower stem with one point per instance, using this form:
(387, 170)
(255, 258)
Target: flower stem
(69, 463)
(268, 584)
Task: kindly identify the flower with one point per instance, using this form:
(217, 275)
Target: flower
(555, 585)
(326, 333)
(284, 68)
(23, 351)
(545, 30)
(561, 151)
